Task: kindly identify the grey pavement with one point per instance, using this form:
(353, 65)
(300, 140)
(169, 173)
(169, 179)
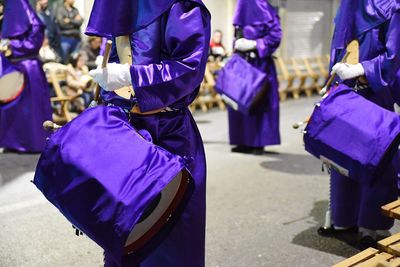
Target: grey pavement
(261, 210)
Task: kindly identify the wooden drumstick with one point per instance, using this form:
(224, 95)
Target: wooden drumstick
(103, 65)
(51, 126)
(297, 125)
(351, 57)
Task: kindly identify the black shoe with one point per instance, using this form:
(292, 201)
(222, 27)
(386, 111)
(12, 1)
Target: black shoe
(348, 236)
(331, 231)
(258, 151)
(242, 149)
(367, 242)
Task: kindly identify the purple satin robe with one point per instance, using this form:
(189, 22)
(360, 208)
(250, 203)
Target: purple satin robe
(21, 124)
(262, 127)
(354, 204)
(169, 58)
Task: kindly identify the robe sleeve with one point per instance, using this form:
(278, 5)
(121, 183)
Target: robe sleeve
(268, 44)
(381, 71)
(29, 43)
(184, 56)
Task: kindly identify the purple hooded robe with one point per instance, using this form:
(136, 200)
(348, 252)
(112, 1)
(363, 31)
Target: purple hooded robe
(169, 41)
(375, 24)
(259, 21)
(21, 121)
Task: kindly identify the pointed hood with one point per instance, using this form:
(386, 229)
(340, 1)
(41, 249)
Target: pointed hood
(19, 17)
(250, 12)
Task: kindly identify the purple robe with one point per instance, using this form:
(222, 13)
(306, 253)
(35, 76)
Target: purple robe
(21, 124)
(169, 58)
(259, 21)
(352, 203)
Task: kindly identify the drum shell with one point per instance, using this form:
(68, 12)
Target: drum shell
(7, 68)
(101, 174)
(354, 133)
(241, 82)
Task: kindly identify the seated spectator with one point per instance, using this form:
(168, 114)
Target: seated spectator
(217, 49)
(92, 51)
(47, 53)
(69, 21)
(79, 81)
(49, 21)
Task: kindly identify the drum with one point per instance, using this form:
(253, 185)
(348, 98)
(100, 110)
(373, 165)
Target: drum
(236, 84)
(12, 82)
(352, 135)
(112, 182)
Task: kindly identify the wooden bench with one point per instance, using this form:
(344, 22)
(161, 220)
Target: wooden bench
(371, 258)
(392, 210)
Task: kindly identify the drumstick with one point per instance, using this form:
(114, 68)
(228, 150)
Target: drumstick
(50, 126)
(333, 76)
(297, 125)
(103, 66)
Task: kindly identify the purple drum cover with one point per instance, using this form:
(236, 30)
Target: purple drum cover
(101, 174)
(237, 81)
(6, 67)
(356, 136)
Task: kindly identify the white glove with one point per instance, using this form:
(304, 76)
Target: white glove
(347, 71)
(114, 77)
(99, 60)
(244, 45)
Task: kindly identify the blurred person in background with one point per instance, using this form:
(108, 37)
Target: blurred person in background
(69, 21)
(47, 53)
(48, 18)
(21, 122)
(217, 49)
(79, 81)
(92, 50)
(258, 35)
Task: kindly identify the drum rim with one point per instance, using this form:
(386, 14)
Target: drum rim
(164, 219)
(19, 93)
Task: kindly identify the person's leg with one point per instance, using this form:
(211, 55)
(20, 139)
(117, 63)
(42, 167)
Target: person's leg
(374, 196)
(345, 201)
(75, 45)
(65, 48)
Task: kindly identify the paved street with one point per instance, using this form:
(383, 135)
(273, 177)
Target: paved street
(261, 210)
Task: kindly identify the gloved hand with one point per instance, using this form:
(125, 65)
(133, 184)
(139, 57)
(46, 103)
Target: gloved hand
(245, 45)
(347, 71)
(99, 60)
(114, 77)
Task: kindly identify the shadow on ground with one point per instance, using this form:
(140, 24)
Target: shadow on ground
(310, 238)
(292, 164)
(12, 165)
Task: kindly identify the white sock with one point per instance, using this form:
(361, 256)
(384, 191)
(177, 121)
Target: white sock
(340, 228)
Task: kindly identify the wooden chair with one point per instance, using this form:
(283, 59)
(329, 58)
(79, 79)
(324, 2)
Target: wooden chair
(207, 96)
(319, 77)
(285, 80)
(288, 78)
(307, 81)
(56, 75)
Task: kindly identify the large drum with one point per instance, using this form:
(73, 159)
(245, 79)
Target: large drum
(112, 182)
(12, 82)
(241, 85)
(352, 135)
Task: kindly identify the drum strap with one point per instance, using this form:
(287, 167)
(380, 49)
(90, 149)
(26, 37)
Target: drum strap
(19, 59)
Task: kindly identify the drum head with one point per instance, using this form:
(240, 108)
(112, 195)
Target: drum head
(11, 86)
(170, 200)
